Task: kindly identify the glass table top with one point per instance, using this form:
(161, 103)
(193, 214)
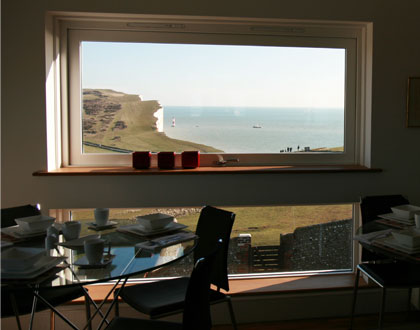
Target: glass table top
(126, 260)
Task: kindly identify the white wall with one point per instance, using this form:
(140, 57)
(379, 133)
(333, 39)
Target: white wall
(395, 149)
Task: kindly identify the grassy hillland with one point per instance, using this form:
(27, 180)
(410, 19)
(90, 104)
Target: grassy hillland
(125, 121)
(264, 223)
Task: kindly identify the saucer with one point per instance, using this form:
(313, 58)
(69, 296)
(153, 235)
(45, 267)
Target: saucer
(78, 242)
(109, 224)
(84, 263)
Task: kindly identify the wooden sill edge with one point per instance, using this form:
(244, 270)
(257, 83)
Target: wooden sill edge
(126, 170)
(249, 287)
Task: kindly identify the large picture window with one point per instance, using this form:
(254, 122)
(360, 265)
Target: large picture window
(256, 92)
(265, 240)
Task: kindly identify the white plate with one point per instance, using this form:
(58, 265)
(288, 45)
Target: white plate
(407, 237)
(78, 242)
(392, 216)
(405, 211)
(35, 223)
(20, 258)
(393, 243)
(155, 221)
(140, 230)
(44, 264)
(17, 232)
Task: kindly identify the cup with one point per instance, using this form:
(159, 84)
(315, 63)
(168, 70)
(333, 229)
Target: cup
(71, 230)
(94, 250)
(51, 241)
(101, 216)
(417, 220)
(52, 230)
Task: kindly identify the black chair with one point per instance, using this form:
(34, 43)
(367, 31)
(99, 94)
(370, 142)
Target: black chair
(8, 215)
(196, 308)
(166, 297)
(385, 273)
(22, 299)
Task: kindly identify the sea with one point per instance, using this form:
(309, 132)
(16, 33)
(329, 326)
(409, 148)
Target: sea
(255, 129)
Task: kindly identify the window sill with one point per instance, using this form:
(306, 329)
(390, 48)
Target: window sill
(276, 285)
(126, 170)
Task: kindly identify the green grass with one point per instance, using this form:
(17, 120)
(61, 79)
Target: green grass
(264, 223)
(140, 133)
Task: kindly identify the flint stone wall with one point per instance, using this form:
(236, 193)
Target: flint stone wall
(318, 247)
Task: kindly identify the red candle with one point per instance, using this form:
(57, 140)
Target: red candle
(141, 159)
(166, 159)
(190, 159)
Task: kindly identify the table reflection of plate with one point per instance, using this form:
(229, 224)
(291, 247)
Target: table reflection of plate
(392, 216)
(140, 230)
(18, 232)
(84, 263)
(42, 265)
(78, 242)
(393, 243)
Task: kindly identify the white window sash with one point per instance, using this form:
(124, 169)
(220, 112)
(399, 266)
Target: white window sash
(350, 37)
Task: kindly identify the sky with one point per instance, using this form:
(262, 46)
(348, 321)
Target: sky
(218, 75)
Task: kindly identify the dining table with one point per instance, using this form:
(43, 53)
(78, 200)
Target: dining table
(127, 255)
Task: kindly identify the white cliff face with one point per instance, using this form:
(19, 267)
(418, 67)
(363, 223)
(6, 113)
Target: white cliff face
(159, 119)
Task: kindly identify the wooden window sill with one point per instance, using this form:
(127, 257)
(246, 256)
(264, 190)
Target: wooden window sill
(125, 170)
(277, 285)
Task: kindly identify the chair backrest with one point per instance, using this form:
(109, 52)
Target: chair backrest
(8, 215)
(372, 206)
(197, 307)
(214, 224)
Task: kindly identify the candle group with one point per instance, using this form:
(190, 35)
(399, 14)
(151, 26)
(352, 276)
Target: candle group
(165, 159)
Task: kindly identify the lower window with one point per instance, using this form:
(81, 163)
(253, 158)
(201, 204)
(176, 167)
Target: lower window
(265, 240)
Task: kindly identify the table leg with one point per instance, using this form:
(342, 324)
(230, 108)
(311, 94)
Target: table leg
(33, 311)
(113, 302)
(15, 309)
(98, 309)
(55, 310)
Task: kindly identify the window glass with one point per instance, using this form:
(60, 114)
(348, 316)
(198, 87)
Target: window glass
(212, 98)
(264, 239)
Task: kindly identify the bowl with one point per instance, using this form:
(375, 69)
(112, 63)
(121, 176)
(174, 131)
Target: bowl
(20, 258)
(154, 221)
(405, 211)
(408, 237)
(35, 223)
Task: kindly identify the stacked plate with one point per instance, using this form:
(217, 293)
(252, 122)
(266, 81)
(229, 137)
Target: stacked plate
(403, 214)
(407, 240)
(141, 230)
(29, 226)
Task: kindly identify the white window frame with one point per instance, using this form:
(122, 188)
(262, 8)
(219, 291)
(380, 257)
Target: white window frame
(67, 32)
